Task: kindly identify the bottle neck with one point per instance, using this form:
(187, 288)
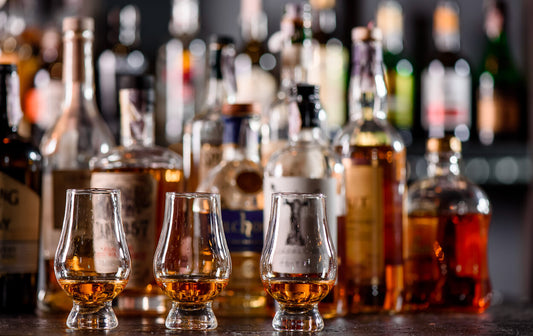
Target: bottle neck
(10, 111)
(368, 92)
(78, 71)
(241, 138)
(137, 117)
(221, 85)
(442, 164)
(447, 41)
(295, 63)
(309, 135)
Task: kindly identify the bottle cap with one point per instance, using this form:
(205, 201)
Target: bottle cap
(240, 110)
(306, 90)
(366, 34)
(446, 144)
(78, 23)
(140, 82)
(221, 39)
(446, 17)
(8, 68)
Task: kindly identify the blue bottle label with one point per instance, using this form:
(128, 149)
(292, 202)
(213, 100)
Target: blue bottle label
(243, 230)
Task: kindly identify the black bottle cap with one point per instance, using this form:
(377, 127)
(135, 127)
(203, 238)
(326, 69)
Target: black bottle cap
(8, 68)
(221, 39)
(139, 82)
(307, 98)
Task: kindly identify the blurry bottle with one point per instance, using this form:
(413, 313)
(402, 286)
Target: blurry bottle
(239, 180)
(447, 82)
(43, 101)
(202, 141)
(143, 173)
(399, 75)
(373, 155)
(180, 70)
(252, 63)
(295, 42)
(330, 64)
(308, 165)
(123, 58)
(20, 176)
(500, 91)
(446, 236)
(78, 135)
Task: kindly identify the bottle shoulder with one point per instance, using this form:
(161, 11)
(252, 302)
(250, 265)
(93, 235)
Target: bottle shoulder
(447, 194)
(138, 157)
(369, 133)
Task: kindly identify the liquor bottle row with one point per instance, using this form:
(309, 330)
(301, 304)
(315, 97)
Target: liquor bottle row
(430, 252)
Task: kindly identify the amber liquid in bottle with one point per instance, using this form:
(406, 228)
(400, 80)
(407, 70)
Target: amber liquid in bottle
(187, 289)
(373, 266)
(446, 262)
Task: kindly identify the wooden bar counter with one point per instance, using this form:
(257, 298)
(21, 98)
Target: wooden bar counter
(498, 320)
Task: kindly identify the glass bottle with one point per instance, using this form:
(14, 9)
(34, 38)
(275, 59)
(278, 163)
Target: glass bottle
(79, 134)
(252, 63)
(143, 173)
(446, 88)
(20, 178)
(446, 236)
(239, 180)
(202, 141)
(399, 75)
(122, 58)
(500, 91)
(308, 165)
(180, 70)
(296, 60)
(373, 155)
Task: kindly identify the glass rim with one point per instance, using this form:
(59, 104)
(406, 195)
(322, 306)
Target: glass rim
(287, 194)
(192, 195)
(93, 191)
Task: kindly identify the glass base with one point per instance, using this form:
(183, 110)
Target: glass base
(191, 317)
(287, 319)
(94, 317)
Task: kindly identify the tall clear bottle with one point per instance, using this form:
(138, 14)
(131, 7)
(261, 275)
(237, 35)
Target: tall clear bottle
(180, 69)
(446, 82)
(20, 185)
(399, 75)
(239, 180)
(79, 134)
(296, 60)
(143, 173)
(202, 141)
(446, 236)
(307, 164)
(373, 155)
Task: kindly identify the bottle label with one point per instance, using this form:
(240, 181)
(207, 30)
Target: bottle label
(446, 100)
(243, 230)
(326, 186)
(498, 112)
(19, 226)
(138, 195)
(365, 250)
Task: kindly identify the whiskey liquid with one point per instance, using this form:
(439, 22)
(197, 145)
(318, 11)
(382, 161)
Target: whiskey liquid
(92, 292)
(374, 228)
(192, 289)
(294, 292)
(446, 262)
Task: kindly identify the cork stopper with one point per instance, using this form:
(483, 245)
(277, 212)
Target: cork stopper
(446, 144)
(240, 110)
(77, 23)
(366, 34)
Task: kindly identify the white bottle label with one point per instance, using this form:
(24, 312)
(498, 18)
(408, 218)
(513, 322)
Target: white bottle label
(446, 98)
(19, 226)
(326, 186)
(139, 196)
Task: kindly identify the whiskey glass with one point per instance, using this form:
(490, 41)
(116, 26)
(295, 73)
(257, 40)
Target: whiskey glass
(298, 262)
(192, 264)
(92, 261)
